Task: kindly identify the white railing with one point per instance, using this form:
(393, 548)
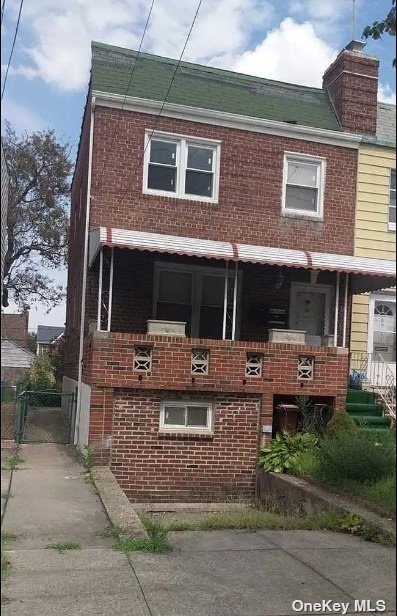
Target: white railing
(375, 374)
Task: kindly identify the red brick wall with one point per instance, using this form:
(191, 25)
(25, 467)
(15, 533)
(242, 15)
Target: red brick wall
(15, 327)
(167, 467)
(249, 208)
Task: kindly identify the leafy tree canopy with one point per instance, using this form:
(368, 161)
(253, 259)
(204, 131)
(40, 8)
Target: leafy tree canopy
(387, 25)
(39, 167)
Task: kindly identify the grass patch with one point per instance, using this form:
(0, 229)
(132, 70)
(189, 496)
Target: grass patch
(13, 462)
(379, 496)
(157, 541)
(64, 546)
(111, 532)
(6, 535)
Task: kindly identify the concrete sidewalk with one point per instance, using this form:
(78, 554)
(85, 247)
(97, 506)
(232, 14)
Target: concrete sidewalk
(222, 573)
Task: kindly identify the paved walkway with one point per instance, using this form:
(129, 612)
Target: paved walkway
(223, 573)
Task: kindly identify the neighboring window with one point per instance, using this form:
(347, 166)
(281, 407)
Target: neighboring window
(303, 185)
(186, 416)
(181, 167)
(392, 202)
(193, 295)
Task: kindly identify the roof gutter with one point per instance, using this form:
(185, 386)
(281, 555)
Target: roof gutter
(230, 120)
(84, 281)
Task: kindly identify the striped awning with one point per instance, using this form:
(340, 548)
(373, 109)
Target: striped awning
(232, 251)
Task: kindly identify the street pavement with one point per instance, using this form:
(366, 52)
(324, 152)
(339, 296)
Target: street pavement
(220, 573)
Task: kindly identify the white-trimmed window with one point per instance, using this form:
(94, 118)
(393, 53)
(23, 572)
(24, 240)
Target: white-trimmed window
(182, 416)
(179, 166)
(392, 201)
(303, 185)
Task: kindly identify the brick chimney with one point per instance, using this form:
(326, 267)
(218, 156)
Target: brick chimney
(352, 85)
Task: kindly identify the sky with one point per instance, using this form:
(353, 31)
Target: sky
(287, 40)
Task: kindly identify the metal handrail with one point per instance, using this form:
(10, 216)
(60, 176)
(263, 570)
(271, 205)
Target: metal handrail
(375, 373)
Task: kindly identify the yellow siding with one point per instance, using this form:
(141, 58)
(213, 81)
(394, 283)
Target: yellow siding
(372, 236)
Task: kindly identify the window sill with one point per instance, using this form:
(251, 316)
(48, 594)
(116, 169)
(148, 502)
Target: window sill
(185, 434)
(172, 195)
(302, 215)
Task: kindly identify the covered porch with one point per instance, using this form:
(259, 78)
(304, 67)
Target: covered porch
(155, 284)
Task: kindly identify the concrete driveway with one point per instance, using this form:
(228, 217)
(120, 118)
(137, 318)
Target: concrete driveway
(221, 573)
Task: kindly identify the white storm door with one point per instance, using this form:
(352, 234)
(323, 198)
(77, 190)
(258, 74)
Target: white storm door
(382, 336)
(310, 308)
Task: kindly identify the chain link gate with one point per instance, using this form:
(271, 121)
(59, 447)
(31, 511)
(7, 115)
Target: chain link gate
(44, 417)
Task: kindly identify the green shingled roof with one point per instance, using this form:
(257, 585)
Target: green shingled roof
(208, 88)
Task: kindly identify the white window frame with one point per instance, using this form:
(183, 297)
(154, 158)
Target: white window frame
(182, 142)
(196, 288)
(391, 225)
(187, 429)
(314, 160)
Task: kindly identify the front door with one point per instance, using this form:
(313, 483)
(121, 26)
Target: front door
(382, 336)
(310, 308)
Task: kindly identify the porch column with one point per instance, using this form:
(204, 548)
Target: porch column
(225, 301)
(345, 310)
(100, 289)
(235, 302)
(110, 289)
(336, 309)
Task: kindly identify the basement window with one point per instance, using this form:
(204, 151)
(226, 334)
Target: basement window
(182, 416)
(178, 166)
(303, 185)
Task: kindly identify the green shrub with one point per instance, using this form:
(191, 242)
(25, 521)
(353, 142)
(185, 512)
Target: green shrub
(282, 453)
(305, 463)
(40, 376)
(357, 456)
(341, 423)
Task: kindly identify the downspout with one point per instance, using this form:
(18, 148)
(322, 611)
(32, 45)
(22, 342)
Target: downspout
(84, 282)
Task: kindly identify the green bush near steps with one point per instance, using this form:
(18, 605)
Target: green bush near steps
(282, 453)
(340, 424)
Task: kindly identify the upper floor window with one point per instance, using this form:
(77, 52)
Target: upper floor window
(303, 185)
(392, 201)
(181, 167)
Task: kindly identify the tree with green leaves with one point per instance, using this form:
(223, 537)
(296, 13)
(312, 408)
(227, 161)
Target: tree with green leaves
(39, 168)
(387, 25)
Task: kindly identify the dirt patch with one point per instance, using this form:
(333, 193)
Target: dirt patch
(7, 421)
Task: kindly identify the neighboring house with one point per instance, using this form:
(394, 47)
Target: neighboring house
(15, 362)
(220, 263)
(15, 327)
(373, 329)
(4, 208)
(47, 336)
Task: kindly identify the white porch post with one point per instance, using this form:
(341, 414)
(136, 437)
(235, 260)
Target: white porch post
(345, 310)
(336, 309)
(225, 300)
(100, 289)
(110, 289)
(235, 302)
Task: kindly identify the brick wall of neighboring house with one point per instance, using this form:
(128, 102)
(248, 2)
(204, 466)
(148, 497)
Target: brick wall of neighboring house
(109, 368)
(13, 375)
(15, 327)
(168, 467)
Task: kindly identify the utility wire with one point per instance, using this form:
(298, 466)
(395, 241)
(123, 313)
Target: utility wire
(129, 82)
(168, 91)
(12, 46)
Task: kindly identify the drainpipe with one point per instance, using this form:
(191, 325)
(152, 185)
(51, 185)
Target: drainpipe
(84, 283)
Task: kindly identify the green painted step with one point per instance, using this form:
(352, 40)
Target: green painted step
(358, 396)
(371, 421)
(374, 431)
(355, 408)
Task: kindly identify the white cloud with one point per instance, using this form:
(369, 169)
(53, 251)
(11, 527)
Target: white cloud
(291, 52)
(21, 117)
(386, 94)
(61, 33)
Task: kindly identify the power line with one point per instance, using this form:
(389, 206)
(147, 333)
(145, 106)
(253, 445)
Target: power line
(12, 46)
(130, 81)
(168, 91)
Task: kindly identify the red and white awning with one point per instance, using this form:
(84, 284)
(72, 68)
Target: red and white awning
(231, 251)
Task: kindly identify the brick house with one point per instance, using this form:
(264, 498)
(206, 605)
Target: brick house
(218, 233)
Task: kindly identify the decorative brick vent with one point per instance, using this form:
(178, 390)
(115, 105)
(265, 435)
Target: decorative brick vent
(142, 359)
(253, 364)
(200, 361)
(305, 368)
